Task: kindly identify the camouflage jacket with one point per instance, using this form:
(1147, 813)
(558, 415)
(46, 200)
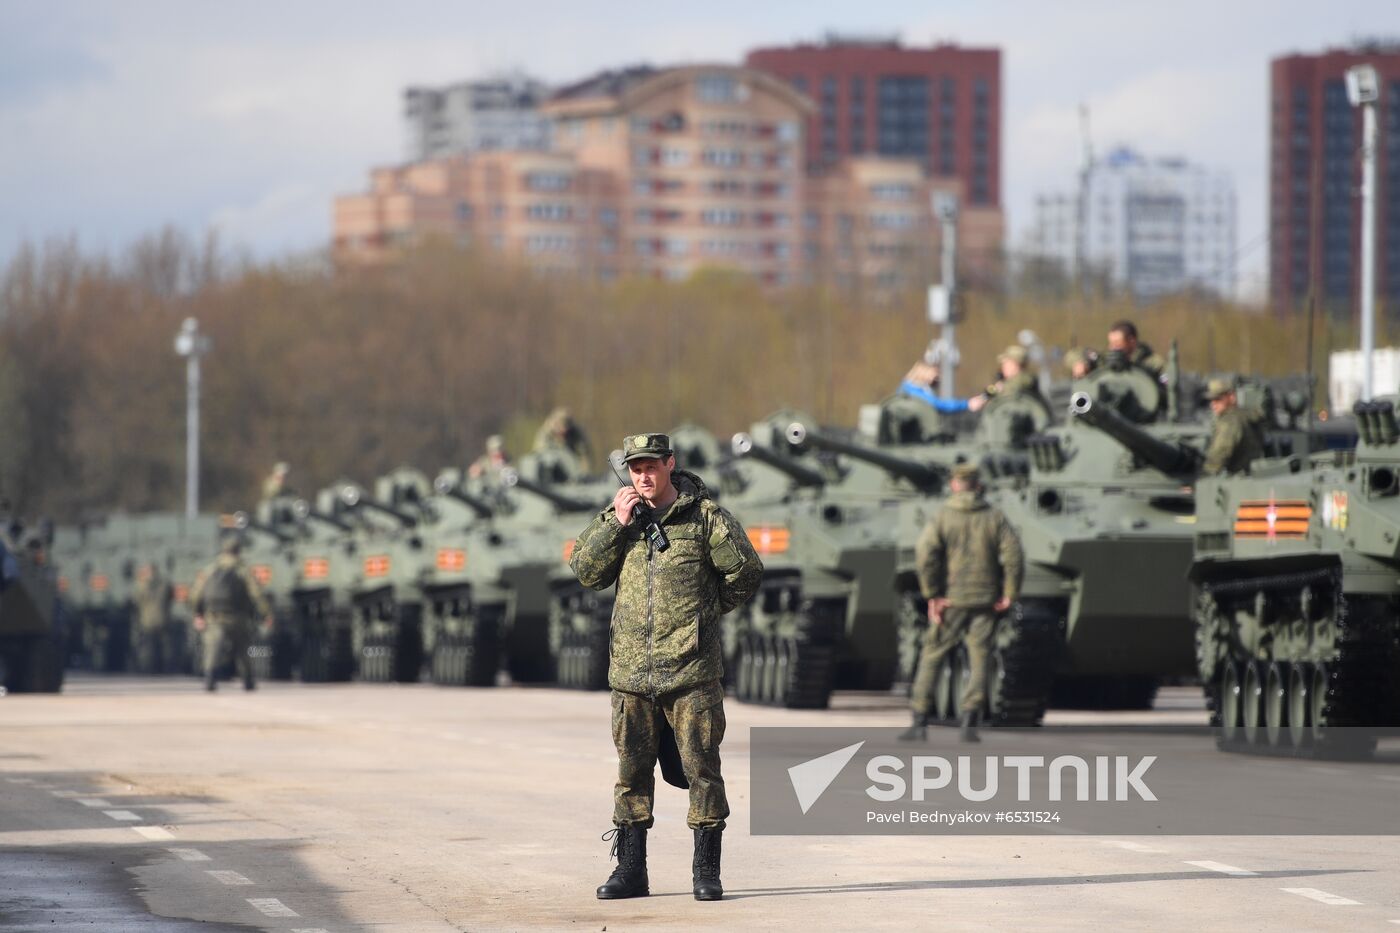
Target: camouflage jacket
(665, 623)
(969, 554)
(257, 608)
(1235, 442)
(1144, 357)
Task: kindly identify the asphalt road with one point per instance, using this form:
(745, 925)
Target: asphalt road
(145, 804)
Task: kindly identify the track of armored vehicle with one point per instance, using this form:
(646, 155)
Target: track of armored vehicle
(1297, 599)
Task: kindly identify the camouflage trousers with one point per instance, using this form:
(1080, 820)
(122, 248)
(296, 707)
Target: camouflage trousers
(971, 626)
(697, 716)
(224, 634)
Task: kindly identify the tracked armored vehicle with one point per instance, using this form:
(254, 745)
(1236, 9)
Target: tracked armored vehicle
(1296, 600)
(326, 555)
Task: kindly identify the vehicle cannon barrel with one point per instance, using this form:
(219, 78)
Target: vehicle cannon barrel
(447, 487)
(512, 479)
(245, 522)
(356, 499)
(1166, 456)
(744, 446)
(303, 510)
(922, 475)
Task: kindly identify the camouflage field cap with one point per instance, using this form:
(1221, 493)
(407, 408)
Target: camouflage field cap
(1015, 353)
(967, 472)
(641, 446)
(1217, 388)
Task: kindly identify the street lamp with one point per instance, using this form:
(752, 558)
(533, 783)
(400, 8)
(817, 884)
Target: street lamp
(192, 345)
(1363, 89)
(940, 297)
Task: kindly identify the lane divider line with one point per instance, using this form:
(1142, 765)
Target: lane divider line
(1322, 897)
(188, 855)
(228, 877)
(1225, 869)
(1133, 846)
(272, 907)
(124, 815)
(97, 802)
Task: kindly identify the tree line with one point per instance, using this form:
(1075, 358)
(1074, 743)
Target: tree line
(348, 371)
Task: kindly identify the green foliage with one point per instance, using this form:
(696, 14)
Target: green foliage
(355, 370)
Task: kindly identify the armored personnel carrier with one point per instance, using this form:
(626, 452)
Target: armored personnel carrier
(1295, 596)
(32, 636)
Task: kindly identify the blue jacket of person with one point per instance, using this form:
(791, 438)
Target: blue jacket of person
(947, 406)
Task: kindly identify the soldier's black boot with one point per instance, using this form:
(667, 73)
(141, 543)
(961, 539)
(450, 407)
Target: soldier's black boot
(705, 869)
(211, 682)
(918, 731)
(967, 731)
(629, 878)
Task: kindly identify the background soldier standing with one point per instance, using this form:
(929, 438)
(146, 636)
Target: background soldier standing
(1123, 338)
(154, 594)
(1235, 439)
(227, 604)
(665, 662)
(970, 569)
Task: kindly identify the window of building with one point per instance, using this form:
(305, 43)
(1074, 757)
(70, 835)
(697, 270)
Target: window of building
(892, 191)
(675, 157)
(549, 212)
(716, 88)
(902, 121)
(464, 210)
(546, 181)
(722, 217)
(607, 216)
(677, 247)
(722, 158)
(789, 131)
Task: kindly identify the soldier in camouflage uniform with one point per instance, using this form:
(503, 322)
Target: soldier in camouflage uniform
(970, 568)
(665, 663)
(227, 604)
(1123, 339)
(154, 594)
(1235, 439)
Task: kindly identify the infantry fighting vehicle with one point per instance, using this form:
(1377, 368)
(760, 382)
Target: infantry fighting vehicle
(485, 587)
(1104, 516)
(32, 636)
(823, 616)
(1296, 593)
(386, 600)
(320, 587)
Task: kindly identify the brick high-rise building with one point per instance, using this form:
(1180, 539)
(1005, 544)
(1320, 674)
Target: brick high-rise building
(1315, 174)
(940, 105)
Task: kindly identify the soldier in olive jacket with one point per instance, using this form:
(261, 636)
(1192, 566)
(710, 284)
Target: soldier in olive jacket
(970, 568)
(1235, 439)
(665, 662)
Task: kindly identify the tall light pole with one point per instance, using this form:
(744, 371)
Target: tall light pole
(1363, 89)
(192, 345)
(941, 297)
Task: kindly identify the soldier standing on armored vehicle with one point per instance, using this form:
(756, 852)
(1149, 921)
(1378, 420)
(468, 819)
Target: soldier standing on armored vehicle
(1123, 339)
(1017, 381)
(276, 483)
(1235, 439)
(561, 432)
(970, 569)
(1081, 362)
(679, 562)
(490, 464)
(227, 604)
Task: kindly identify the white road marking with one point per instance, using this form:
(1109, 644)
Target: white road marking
(229, 877)
(310, 930)
(124, 815)
(153, 832)
(66, 793)
(188, 855)
(1322, 897)
(272, 907)
(20, 780)
(1133, 846)
(94, 802)
(1224, 869)
(1389, 777)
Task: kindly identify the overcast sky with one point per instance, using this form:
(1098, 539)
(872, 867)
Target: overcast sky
(119, 117)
